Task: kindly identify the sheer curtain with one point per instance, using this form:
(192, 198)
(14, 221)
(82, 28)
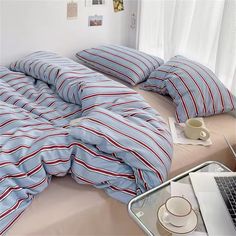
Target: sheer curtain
(202, 30)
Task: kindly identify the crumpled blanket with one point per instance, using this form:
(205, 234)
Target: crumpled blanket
(119, 143)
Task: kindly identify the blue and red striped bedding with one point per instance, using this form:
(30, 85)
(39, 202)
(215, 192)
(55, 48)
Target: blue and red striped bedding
(120, 143)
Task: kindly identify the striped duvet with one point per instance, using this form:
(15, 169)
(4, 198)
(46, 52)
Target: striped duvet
(120, 143)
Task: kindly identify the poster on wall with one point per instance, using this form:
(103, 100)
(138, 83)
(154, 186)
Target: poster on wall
(95, 20)
(118, 5)
(72, 10)
(89, 3)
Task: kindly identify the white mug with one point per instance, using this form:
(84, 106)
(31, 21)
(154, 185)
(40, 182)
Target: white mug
(194, 129)
(177, 211)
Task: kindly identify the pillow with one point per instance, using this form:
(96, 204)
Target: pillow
(194, 88)
(124, 63)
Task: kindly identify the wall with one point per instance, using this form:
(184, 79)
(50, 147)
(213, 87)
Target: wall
(33, 25)
(0, 31)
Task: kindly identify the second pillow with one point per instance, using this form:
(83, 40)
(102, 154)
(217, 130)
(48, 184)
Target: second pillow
(194, 88)
(121, 62)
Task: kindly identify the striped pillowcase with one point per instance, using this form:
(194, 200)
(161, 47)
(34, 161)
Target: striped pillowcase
(194, 88)
(121, 62)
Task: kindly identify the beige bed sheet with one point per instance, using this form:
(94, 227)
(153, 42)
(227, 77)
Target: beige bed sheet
(67, 208)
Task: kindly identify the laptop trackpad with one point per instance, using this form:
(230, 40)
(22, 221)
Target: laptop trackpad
(218, 222)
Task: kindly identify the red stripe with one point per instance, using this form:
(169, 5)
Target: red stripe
(231, 99)
(85, 59)
(11, 151)
(110, 106)
(103, 86)
(116, 63)
(146, 56)
(21, 136)
(91, 152)
(70, 78)
(76, 73)
(11, 113)
(130, 55)
(84, 180)
(11, 223)
(38, 184)
(35, 170)
(49, 73)
(33, 128)
(13, 208)
(8, 191)
(24, 64)
(35, 64)
(13, 79)
(11, 121)
(158, 79)
(54, 162)
(23, 174)
(72, 113)
(110, 186)
(141, 176)
(184, 105)
(125, 59)
(103, 171)
(186, 86)
(93, 106)
(65, 80)
(208, 87)
(39, 69)
(108, 94)
(122, 190)
(221, 97)
(203, 100)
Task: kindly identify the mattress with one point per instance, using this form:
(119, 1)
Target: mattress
(98, 214)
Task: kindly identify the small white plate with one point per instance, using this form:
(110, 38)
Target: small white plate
(192, 223)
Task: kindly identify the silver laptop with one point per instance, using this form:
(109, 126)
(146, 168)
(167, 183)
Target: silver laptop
(216, 195)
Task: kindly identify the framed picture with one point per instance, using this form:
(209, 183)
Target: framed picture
(118, 5)
(95, 20)
(89, 3)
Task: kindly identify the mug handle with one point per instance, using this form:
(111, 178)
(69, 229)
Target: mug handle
(204, 134)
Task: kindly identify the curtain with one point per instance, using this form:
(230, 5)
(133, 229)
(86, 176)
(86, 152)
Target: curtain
(202, 30)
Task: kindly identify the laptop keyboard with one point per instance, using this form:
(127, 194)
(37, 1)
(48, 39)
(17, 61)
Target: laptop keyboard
(227, 187)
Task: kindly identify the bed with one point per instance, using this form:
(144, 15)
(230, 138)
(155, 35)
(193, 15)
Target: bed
(98, 214)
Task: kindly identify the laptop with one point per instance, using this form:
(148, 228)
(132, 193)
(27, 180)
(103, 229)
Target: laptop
(216, 195)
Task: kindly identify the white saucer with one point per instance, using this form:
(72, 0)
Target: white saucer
(192, 224)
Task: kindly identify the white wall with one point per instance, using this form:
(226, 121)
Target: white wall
(0, 31)
(31, 25)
